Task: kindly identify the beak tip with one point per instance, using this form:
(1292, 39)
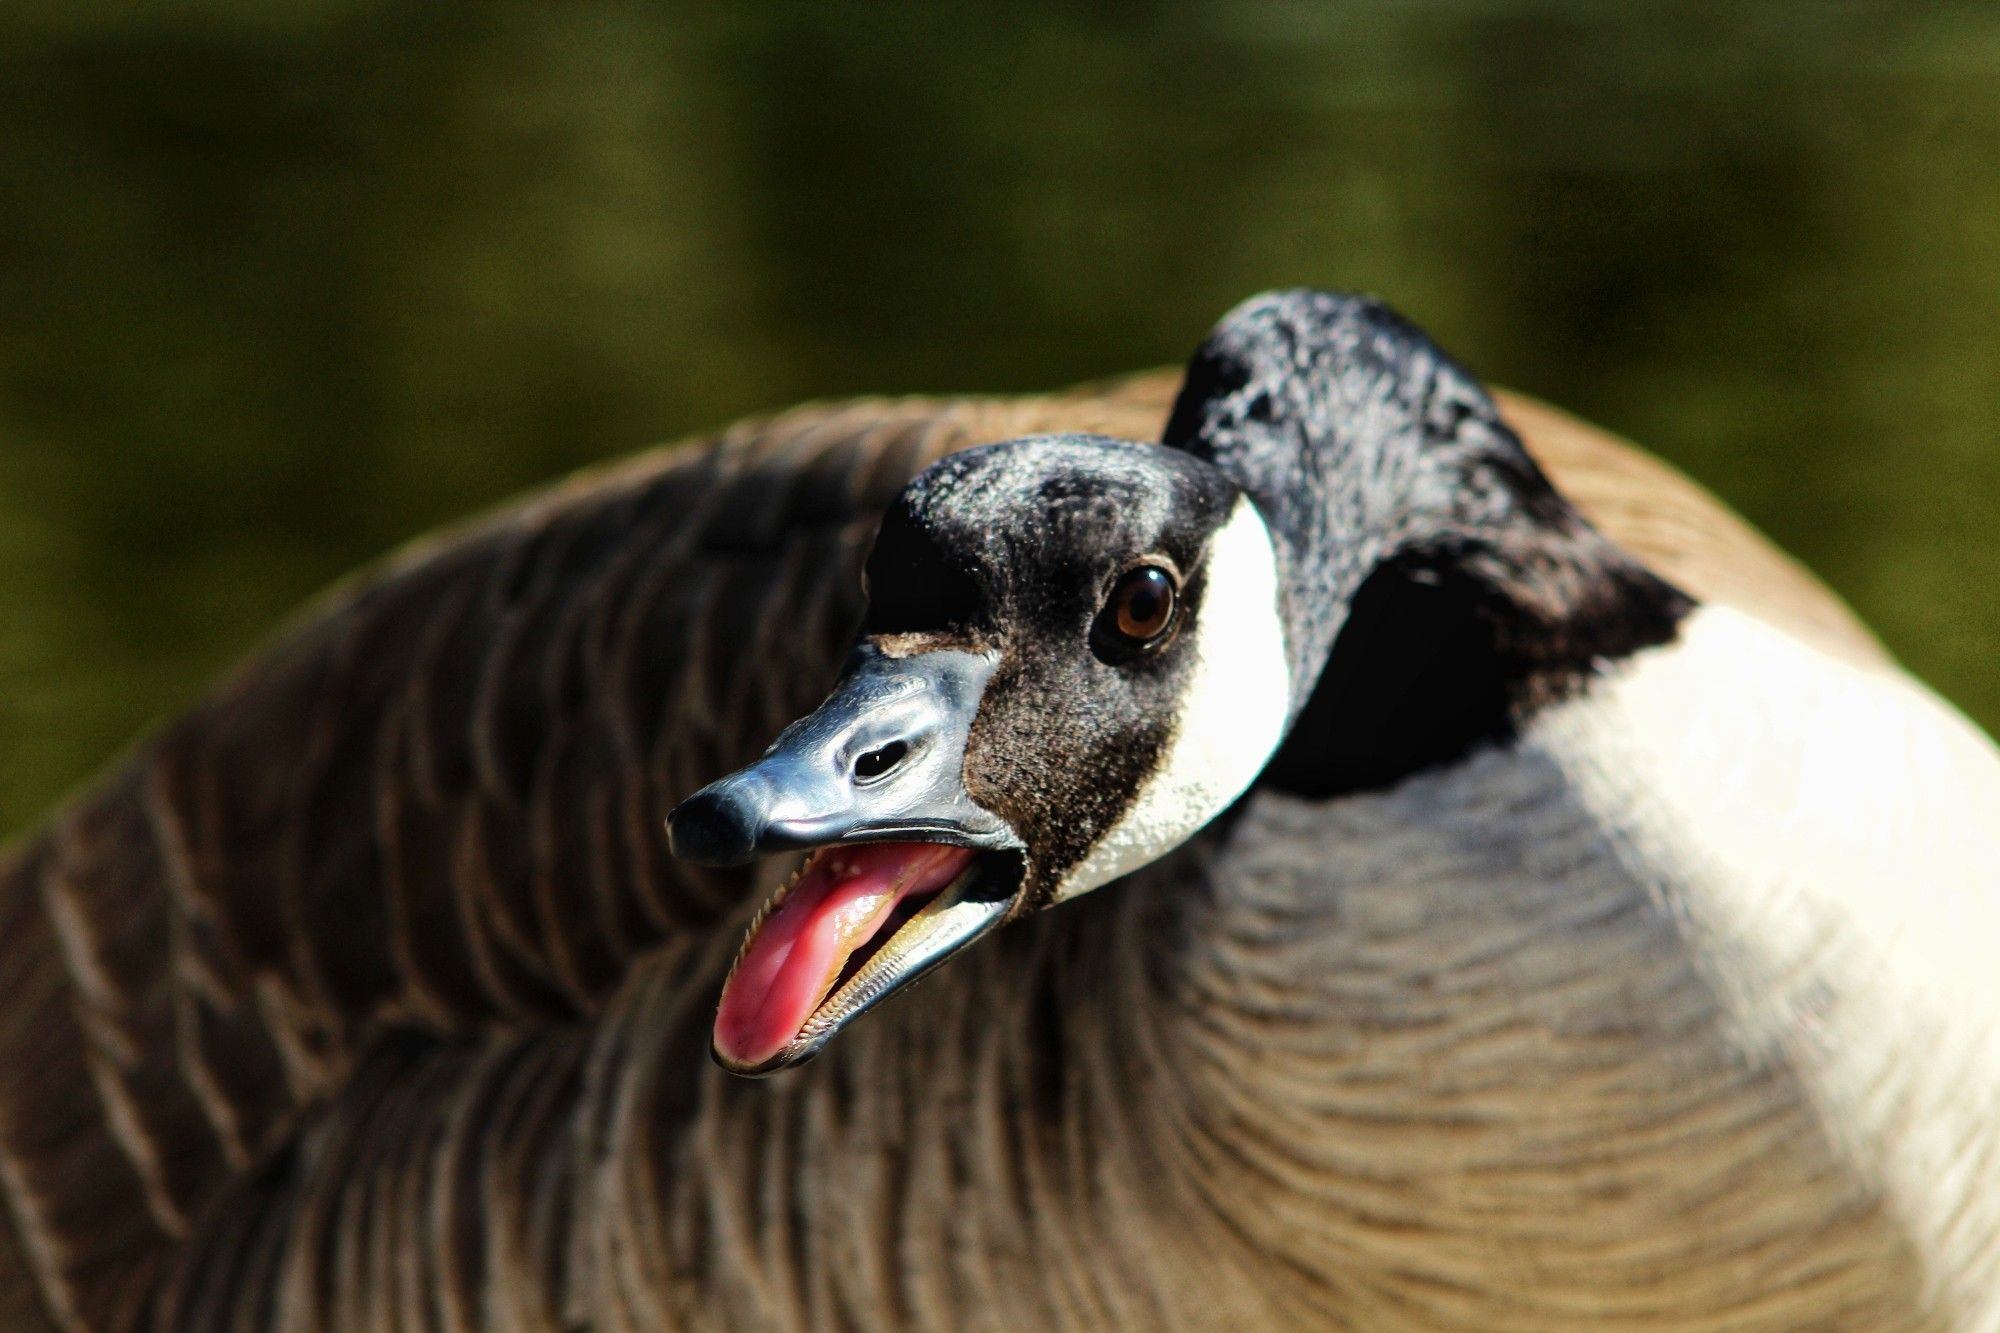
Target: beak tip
(717, 826)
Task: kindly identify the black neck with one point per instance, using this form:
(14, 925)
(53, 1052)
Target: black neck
(1438, 588)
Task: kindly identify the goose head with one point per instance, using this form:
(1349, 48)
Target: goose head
(1078, 651)
(1072, 659)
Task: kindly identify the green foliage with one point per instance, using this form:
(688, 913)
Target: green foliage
(285, 283)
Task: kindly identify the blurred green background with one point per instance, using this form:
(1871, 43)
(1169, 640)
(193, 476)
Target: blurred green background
(285, 282)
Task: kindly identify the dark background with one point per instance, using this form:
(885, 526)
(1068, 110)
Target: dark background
(285, 283)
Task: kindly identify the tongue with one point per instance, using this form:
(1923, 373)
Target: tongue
(792, 960)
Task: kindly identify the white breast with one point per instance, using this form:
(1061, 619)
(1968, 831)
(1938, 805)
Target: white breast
(1831, 836)
(1679, 1008)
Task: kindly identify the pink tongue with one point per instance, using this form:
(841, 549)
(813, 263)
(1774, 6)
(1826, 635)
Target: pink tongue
(797, 953)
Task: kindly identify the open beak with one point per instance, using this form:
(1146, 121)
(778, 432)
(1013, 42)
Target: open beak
(903, 868)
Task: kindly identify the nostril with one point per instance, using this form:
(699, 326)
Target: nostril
(877, 762)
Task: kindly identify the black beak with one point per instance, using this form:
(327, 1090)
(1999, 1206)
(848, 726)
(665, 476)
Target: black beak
(881, 760)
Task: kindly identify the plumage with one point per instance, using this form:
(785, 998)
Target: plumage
(367, 995)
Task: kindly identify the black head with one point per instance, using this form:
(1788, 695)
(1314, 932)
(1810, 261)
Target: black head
(1072, 659)
(1085, 567)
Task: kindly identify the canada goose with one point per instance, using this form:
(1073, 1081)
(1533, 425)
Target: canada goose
(1619, 963)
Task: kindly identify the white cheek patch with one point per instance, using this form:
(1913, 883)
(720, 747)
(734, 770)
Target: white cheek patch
(1232, 710)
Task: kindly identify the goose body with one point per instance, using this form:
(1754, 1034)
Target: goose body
(368, 996)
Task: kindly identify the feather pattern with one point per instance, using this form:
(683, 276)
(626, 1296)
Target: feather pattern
(366, 995)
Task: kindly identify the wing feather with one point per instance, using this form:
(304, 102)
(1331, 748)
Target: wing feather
(426, 824)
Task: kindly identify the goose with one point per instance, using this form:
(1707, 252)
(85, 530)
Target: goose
(1364, 871)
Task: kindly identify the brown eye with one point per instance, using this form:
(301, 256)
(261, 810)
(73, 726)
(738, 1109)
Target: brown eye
(1142, 605)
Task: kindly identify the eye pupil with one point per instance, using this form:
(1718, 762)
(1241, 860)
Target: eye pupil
(877, 762)
(1144, 604)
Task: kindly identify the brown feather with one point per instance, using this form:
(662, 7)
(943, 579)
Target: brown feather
(392, 911)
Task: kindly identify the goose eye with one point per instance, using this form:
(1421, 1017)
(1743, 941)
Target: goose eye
(1142, 606)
